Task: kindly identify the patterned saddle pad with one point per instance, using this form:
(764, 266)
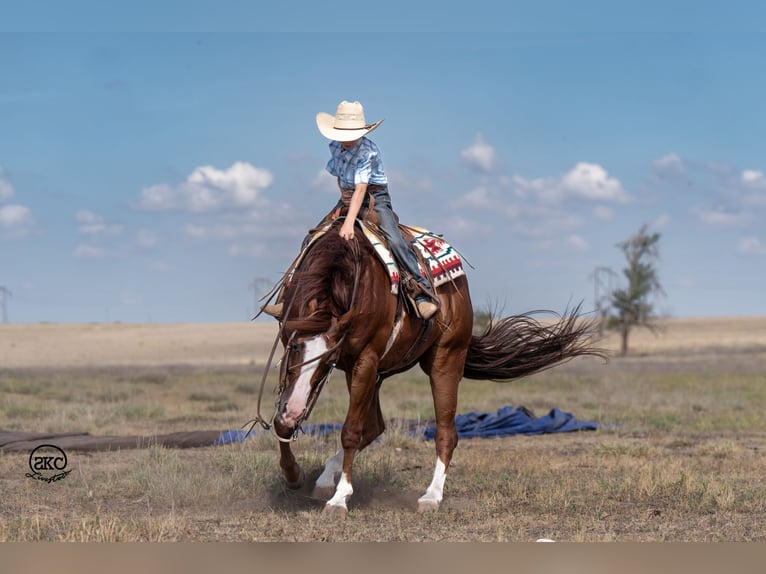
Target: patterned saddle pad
(443, 260)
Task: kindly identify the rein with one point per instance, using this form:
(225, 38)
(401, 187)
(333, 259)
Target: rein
(316, 390)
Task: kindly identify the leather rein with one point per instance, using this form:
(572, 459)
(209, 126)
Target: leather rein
(328, 357)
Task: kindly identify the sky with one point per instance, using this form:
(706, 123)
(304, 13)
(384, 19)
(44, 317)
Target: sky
(160, 162)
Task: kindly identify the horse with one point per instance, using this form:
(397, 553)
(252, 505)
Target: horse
(340, 312)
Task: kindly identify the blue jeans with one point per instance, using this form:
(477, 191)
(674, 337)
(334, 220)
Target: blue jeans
(399, 246)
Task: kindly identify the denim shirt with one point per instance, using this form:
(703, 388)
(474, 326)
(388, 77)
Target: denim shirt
(361, 164)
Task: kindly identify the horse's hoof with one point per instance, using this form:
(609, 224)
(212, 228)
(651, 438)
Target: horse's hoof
(428, 506)
(296, 484)
(323, 492)
(335, 511)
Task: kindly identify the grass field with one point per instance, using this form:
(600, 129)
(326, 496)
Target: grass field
(679, 456)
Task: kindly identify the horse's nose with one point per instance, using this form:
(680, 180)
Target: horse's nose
(283, 427)
(293, 412)
(289, 420)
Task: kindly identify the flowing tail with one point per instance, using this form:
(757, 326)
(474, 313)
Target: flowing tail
(520, 345)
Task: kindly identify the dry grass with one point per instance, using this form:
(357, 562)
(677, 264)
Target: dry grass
(679, 456)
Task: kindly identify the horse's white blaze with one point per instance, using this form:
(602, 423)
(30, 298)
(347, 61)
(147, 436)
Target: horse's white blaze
(435, 490)
(296, 404)
(333, 466)
(342, 492)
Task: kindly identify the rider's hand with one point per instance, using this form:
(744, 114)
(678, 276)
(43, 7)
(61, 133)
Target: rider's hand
(347, 230)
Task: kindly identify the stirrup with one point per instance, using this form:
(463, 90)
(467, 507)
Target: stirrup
(426, 309)
(274, 310)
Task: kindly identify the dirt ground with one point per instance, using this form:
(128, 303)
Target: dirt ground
(678, 456)
(206, 344)
(117, 344)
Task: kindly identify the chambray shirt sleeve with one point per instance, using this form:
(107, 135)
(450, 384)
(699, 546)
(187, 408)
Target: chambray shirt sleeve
(330, 167)
(364, 166)
(332, 164)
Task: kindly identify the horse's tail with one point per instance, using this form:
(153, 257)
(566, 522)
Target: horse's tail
(520, 345)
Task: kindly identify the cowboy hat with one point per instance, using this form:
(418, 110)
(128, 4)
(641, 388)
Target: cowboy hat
(347, 124)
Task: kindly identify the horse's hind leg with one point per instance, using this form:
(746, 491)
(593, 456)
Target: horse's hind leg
(444, 385)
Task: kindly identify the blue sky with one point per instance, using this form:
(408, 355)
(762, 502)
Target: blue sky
(163, 165)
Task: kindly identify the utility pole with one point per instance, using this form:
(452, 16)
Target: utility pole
(4, 296)
(603, 286)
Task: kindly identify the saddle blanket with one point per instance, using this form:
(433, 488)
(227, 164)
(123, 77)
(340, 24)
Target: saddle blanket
(443, 260)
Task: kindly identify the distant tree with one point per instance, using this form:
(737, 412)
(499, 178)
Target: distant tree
(632, 305)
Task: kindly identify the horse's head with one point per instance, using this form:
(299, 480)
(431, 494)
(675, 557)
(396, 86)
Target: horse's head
(318, 301)
(306, 365)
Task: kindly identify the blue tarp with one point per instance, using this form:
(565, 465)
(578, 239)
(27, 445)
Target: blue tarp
(506, 421)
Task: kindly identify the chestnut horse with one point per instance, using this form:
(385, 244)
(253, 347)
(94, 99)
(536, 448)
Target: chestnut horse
(340, 312)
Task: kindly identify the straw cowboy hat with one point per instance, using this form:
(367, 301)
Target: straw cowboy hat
(347, 124)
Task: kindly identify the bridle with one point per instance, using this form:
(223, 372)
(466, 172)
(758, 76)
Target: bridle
(328, 358)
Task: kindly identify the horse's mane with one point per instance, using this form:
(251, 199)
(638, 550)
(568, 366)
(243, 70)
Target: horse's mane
(321, 287)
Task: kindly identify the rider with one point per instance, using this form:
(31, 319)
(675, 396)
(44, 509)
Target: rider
(356, 162)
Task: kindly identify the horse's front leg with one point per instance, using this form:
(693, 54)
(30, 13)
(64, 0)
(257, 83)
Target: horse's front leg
(362, 393)
(291, 471)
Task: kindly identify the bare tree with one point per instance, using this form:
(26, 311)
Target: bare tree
(632, 304)
(603, 279)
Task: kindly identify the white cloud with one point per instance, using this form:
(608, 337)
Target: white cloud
(754, 199)
(459, 227)
(6, 189)
(578, 242)
(14, 215)
(146, 239)
(662, 221)
(541, 222)
(259, 224)
(587, 181)
(532, 205)
(461, 224)
(88, 252)
(591, 181)
(480, 155)
(755, 184)
(196, 231)
(479, 197)
(90, 223)
(752, 245)
(669, 164)
(721, 217)
(325, 182)
(754, 178)
(603, 213)
(257, 232)
(210, 189)
(159, 198)
(495, 193)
